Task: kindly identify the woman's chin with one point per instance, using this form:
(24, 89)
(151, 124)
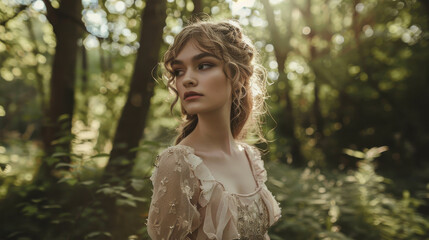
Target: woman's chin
(191, 111)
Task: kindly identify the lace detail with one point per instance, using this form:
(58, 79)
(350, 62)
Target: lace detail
(252, 222)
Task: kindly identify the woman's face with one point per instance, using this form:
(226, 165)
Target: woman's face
(200, 81)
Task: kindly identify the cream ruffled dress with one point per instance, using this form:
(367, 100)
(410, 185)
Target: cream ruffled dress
(188, 202)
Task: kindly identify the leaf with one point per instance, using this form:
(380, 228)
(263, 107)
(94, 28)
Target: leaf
(63, 117)
(64, 139)
(64, 165)
(51, 160)
(137, 184)
(89, 182)
(72, 181)
(101, 155)
(127, 195)
(107, 191)
(95, 234)
(63, 179)
(376, 152)
(37, 200)
(126, 202)
(119, 188)
(354, 153)
(29, 210)
(60, 154)
(68, 180)
(63, 154)
(104, 185)
(140, 199)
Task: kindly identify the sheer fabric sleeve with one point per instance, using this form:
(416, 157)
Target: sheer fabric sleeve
(173, 213)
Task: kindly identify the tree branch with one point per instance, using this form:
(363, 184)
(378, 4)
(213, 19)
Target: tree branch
(198, 7)
(51, 14)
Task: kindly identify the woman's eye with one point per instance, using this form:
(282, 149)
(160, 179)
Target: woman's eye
(177, 72)
(204, 66)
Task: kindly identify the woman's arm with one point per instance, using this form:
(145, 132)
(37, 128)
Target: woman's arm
(172, 213)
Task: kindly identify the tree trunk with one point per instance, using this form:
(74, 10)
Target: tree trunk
(133, 118)
(61, 102)
(84, 87)
(287, 120)
(317, 113)
(122, 220)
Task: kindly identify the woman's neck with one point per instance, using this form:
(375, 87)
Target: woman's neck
(213, 132)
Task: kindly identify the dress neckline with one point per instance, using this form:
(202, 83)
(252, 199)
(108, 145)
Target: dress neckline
(250, 162)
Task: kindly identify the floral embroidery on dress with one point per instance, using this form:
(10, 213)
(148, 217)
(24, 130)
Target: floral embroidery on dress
(252, 221)
(172, 207)
(185, 190)
(178, 166)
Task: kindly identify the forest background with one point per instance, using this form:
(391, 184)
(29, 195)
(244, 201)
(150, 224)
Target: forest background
(84, 112)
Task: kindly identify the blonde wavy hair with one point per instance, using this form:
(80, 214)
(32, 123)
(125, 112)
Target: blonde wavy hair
(227, 41)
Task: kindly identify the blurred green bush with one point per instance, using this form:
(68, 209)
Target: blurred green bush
(336, 205)
(316, 204)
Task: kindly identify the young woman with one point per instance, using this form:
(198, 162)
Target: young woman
(210, 185)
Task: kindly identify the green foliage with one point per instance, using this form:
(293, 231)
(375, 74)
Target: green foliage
(369, 63)
(334, 205)
(77, 200)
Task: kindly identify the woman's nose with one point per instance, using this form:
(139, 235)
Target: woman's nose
(189, 81)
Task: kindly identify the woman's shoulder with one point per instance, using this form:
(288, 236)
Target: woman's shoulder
(258, 163)
(252, 150)
(175, 161)
(177, 149)
(179, 154)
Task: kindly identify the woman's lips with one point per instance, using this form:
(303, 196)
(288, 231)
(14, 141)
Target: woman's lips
(192, 97)
(191, 93)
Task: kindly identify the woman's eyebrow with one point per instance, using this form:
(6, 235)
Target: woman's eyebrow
(195, 58)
